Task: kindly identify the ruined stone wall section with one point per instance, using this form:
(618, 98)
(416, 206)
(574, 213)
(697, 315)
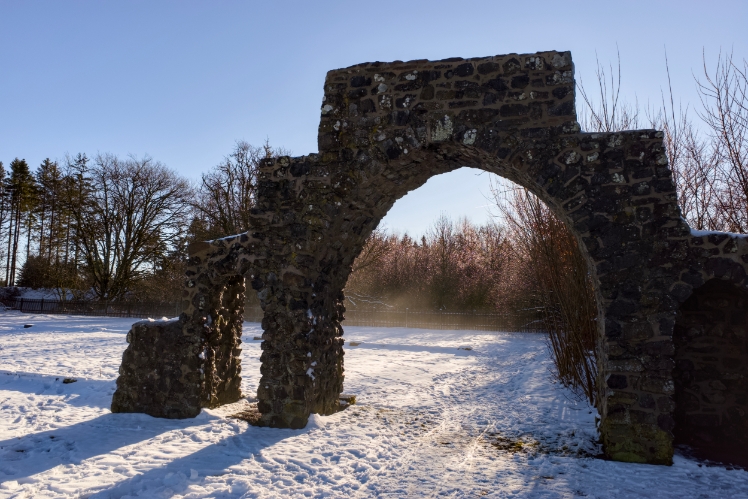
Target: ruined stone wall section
(214, 310)
(711, 374)
(714, 255)
(161, 371)
(173, 369)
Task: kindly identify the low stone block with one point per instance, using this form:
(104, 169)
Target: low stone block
(161, 372)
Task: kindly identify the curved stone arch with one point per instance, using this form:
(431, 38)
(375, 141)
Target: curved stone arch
(385, 129)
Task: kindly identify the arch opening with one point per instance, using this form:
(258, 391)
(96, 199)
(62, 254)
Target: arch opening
(526, 263)
(711, 372)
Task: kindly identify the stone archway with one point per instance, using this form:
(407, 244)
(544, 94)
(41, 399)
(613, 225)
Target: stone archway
(385, 129)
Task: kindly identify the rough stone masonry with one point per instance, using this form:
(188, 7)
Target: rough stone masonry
(385, 129)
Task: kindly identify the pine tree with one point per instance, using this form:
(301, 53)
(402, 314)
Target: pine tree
(4, 209)
(23, 191)
(50, 181)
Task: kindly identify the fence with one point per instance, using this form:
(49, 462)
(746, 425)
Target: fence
(523, 321)
(96, 308)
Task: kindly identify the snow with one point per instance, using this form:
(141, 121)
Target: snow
(38, 294)
(430, 420)
(701, 233)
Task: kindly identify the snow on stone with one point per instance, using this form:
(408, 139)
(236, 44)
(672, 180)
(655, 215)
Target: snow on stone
(430, 420)
(701, 233)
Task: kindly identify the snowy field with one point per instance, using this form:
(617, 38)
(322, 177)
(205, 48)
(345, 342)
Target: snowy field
(432, 419)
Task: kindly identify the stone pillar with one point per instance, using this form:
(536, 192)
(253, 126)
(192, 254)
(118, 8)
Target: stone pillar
(173, 368)
(302, 351)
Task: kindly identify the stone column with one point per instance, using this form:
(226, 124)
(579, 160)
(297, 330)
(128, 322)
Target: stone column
(173, 368)
(302, 351)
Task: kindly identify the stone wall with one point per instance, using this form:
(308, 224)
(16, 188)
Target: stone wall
(386, 128)
(711, 369)
(161, 371)
(174, 368)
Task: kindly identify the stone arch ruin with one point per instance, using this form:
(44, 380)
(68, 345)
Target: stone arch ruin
(385, 129)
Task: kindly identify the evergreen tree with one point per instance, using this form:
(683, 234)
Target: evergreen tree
(4, 212)
(22, 199)
(49, 210)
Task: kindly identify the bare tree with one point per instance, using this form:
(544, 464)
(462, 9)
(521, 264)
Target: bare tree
(724, 99)
(607, 113)
(133, 209)
(227, 193)
(694, 161)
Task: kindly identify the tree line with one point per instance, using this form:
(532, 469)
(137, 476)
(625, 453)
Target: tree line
(112, 228)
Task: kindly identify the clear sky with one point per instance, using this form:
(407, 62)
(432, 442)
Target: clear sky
(183, 80)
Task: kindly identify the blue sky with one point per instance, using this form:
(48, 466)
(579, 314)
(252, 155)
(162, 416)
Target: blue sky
(182, 81)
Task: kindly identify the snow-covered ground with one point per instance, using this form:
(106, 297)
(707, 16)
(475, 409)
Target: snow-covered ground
(431, 420)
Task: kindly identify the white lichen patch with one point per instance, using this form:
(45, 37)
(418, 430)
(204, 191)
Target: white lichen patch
(382, 88)
(572, 157)
(469, 138)
(442, 129)
(326, 109)
(412, 76)
(565, 77)
(615, 140)
(535, 62)
(618, 178)
(560, 60)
